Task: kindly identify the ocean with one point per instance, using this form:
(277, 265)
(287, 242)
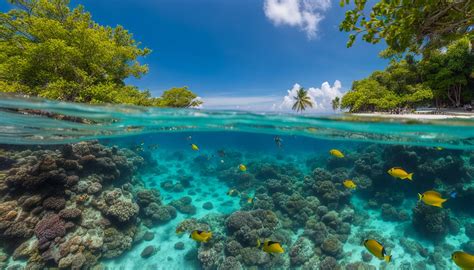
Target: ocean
(124, 187)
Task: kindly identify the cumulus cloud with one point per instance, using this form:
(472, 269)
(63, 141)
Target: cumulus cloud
(305, 14)
(320, 97)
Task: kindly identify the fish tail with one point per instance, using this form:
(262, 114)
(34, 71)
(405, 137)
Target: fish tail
(410, 176)
(388, 258)
(440, 204)
(419, 197)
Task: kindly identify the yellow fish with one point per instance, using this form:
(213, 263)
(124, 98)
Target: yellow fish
(249, 200)
(439, 148)
(270, 246)
(432, 198)
(194, 147)
(200, 236)
(349, 184)
(336, 153)
(233, 192)
(463, 259)
(242, 167)
(377, 249)
(398, 172)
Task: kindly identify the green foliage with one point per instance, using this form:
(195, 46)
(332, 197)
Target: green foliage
(336, 103)
(409, 26)
(302, 100)
(50, 50)
(449, 72)
(445, 77)
(179, 98)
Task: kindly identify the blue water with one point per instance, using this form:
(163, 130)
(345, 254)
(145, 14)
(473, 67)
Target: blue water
(108, 175)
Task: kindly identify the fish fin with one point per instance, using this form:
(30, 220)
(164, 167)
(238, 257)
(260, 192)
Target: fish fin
(388, 258)
(410, 176)
(440, 204)
(419, 197)
(258, 243)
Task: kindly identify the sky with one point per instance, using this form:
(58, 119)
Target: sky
(242, 54)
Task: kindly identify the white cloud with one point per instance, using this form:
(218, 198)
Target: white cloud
(320, 97)
(305, 14)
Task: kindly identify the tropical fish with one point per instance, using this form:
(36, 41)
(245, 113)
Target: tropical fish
(200, 236)
(453, 194)
(270, 246)
(249, 200)
(432, 198)
(194, 147)
(398, 172)
(242, 167)
(336, 153)
(439, 148)
(377, 249)
(349, 184)
(233, 192)
(222, 161)
(278, 141)
(463, 259)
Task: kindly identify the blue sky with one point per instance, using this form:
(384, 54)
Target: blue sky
(240, 51)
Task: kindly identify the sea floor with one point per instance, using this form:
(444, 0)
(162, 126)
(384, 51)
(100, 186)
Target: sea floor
(210, 189)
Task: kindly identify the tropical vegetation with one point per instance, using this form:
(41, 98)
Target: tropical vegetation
(445, 79)
(302, 100)
(409, 26)
(49, 50)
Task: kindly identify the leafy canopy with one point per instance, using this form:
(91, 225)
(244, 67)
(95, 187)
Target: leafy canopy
(179, 98)
(409, 26)
(50, 50)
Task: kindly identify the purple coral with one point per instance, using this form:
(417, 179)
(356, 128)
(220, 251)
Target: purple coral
(48, 228)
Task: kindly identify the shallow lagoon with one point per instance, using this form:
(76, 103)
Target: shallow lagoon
(100, 204)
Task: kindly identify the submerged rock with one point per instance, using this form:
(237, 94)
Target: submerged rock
(148, 252)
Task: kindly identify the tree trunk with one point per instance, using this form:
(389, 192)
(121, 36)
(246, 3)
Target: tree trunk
(454, 95)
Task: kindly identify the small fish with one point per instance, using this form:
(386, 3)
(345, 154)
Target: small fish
(432, 198)
(336, 153)
(200, 236)
(349, 184)
(242, 168)
(453, 194)
(270, 246)
(463, 259)
(222, 161)
(377, 249)
(233, 192)
(398, 172)
(249, 200)
(439, 148)
(194, 147)
(278, 141)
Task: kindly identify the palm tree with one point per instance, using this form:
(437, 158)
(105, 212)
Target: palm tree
(302, 100)
(336, 102)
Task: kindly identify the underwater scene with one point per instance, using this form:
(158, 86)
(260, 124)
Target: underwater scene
(120, 187)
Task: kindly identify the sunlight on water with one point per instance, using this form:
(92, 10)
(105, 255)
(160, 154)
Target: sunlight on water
(122, 187)
(36, 121)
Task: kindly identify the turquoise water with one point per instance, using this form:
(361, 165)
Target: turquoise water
(120, 187)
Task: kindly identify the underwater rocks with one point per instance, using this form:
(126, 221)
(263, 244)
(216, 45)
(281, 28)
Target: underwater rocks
(431, 222)
(148, 251)
(301, 251)
(69, 206)
(184, 205)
